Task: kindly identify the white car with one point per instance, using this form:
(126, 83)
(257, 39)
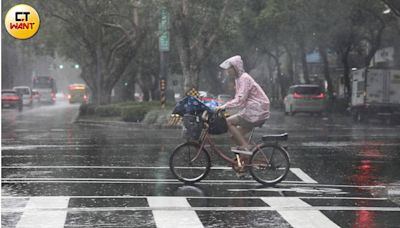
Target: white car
(26, 94)
(305, 98)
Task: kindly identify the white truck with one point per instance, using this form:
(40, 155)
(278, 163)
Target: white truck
(375, 94)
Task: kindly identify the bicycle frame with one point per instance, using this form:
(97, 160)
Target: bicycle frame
(205, 139)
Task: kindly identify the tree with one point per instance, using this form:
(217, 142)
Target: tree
(195, 28)
(102, 36)
(394, 6)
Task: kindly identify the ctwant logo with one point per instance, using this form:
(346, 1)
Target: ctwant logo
(22, 21)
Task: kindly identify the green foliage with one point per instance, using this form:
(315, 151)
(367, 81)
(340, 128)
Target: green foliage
(108, 110)
(134, 113)
(128, 111)
(151, 117)
(87, 109)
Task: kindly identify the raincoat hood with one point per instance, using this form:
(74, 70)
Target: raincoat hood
(236, 62)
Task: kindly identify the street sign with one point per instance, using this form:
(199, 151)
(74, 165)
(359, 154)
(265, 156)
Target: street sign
(164, 42)
(163, 30)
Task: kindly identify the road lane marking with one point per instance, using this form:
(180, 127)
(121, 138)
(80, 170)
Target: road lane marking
(175, 181)
(168, 217)
(31, 147)
(106, 167)
(303, 176)
(127, 181)
(299, 214)
(198, 197)
(44, 212)
(180, 209)
(313, 190)
(58, 130)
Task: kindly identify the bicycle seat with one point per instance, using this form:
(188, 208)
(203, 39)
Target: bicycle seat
(281, 137)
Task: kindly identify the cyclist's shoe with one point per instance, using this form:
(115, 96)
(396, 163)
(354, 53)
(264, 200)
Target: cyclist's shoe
(240, 170)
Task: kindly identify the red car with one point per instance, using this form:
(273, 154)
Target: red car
(11, 99)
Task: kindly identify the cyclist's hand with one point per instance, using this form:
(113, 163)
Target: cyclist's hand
(220, 108)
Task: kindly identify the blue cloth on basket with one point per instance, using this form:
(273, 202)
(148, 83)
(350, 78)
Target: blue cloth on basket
(190, 105)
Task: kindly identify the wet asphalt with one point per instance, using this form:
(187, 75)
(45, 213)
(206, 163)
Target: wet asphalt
(56, 173)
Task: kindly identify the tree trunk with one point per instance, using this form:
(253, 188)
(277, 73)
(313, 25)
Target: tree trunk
(324, 56)
(303, 54)
(281, 91)
(346, 73)
(99, 77)
(105, 97)
(290, 66)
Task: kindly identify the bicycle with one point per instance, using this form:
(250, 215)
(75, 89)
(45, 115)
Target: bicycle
(268, 164)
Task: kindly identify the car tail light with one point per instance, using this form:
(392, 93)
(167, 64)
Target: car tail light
(320, 96)
(69, 96)
(11, 98)
(297, 96)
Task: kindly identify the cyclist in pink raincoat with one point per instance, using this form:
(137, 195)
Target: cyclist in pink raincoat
(249, 98)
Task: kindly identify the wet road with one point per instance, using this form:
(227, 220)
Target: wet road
(59, 174)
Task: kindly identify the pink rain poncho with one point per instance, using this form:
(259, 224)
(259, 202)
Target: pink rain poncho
(249, 96)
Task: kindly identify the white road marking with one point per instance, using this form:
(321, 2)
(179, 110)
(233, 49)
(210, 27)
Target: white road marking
(102, 167)
(313, 190)
(193, 209)
(58, 130)
(179, 210)
(198, 197)
(175, 181)
(128, 181)
(299, 214)
(31, 147)
(345, 144)
(44, 212)
(173, 218)
(21, 130)
(303, 176)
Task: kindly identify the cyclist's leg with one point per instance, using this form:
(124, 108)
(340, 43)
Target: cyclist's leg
(233, 122)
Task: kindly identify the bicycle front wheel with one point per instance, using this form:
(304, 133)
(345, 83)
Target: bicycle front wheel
(269, 164)
(188, 163)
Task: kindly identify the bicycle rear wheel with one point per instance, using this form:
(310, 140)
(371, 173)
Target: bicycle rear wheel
(269, 164)
(188, 163)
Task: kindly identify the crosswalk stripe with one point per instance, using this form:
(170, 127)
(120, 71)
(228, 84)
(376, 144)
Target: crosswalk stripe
(176, 211)
(173, 218)
(196, 197)
(299, 218)
(35, 216)
(303, 176)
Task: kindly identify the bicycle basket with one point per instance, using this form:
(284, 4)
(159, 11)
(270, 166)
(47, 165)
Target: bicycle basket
(217, 124)
(192, 127)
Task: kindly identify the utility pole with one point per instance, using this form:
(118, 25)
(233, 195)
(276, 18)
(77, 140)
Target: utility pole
(164, 53)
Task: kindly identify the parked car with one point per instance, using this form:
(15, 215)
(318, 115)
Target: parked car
(223, 98)
(305, 98)
(11, 99)
(26, 94)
